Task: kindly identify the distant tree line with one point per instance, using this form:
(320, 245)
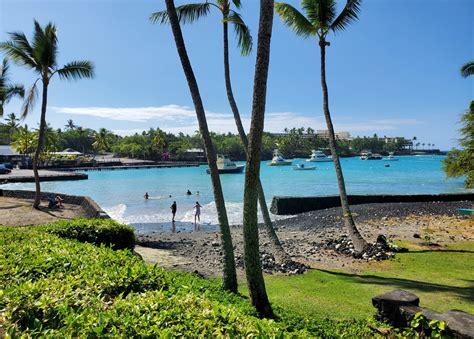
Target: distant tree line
(155, 144)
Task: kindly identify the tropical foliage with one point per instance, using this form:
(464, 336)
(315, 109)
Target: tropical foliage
(7, 89)
(41, 57)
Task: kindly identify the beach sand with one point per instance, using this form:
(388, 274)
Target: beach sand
(19, 212)
(432, 224)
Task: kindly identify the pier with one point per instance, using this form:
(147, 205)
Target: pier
(22, 175)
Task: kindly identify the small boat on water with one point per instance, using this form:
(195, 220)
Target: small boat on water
(227, 166)
(390, 157)
(278, 160)
(370, 156)
(302, 167)
(319, 156)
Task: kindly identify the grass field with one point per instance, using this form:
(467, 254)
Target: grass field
(442, 278)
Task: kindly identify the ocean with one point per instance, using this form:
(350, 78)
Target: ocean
(120, 192)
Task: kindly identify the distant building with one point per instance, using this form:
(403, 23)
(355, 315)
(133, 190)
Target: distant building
(8, 154)
(324, 134)
(195, 154)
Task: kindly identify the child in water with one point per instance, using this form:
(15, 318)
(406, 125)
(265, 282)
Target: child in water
(197, 214)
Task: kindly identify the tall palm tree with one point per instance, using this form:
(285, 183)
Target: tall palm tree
(70, 125)
(467, 69)
(101, 140)
(41, 57)
(230, 276)
(12, 124)
(188, 14)
(23, 140)
(253, 270)
(7, 89)
(321, 18)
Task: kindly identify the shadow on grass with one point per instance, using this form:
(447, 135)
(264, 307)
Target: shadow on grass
(462, 292)
(440, 251)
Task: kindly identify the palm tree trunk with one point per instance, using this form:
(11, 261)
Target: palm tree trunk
(280, 252)
(356, 237)
(230, 276)
(253, 269)
(39, 148)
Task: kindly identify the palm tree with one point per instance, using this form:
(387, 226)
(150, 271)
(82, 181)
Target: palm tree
(12, 124)
(70, 125)
(41, 57)
(467, 69)
(253, 270)
(7, 89)
(189, 13)
(230, 276)
(101, 140)
(320, 20)
(23, 140)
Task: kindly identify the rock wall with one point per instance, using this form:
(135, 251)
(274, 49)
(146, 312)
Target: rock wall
(294, 205)
(90, 206)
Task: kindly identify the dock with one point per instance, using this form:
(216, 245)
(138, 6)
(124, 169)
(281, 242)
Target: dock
(25, 175)
(127, 167)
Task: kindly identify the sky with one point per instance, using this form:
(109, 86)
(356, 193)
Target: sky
(395, 72)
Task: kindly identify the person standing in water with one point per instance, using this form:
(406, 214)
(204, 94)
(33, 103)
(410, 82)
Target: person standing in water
(173, 210)
(146, 196)
(197, 214)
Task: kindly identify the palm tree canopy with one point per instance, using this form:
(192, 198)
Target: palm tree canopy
(7, 89)
(321, 16)
(467, 69)
(192, 12)
(41, 56)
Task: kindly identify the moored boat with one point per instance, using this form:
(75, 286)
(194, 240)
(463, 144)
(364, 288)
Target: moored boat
(302, 167)
(370, 156)
(227, 166)
(319, 156)
(278, 160)
(390, 157)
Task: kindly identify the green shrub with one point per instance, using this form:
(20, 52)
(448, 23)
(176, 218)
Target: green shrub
(57, 287)
(95, 231)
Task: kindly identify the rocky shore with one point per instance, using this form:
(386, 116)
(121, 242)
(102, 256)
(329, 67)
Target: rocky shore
(305, 237)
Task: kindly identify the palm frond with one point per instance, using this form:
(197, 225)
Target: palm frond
(186, 13)
(76, 70)
(16, 54)
(29, 101)
(467, 69)
(45, 44)
(21, 41)
(4, 71)
(237, 3)
(320, 13)
(13, 90)
(242, 31)
(348, 15)
(294, 19)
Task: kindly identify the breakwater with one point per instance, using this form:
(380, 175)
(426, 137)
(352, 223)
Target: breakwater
(282, 205)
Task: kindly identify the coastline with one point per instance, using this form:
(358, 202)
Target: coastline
(304, 235)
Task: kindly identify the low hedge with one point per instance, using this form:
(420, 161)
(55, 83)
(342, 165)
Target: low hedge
(95, 231)
(57, 287)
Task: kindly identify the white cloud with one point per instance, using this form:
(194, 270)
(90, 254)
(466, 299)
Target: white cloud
(175, 119)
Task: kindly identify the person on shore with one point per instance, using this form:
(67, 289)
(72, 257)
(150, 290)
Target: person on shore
(188, 192)
(173, 210)
(59, 200)
(146, 196)
(197, 214)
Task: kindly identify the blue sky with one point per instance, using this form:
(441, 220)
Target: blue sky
(395, 72)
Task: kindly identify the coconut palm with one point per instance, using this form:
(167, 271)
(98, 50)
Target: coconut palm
(321, 19)
(230, 276)
(12, 124)
(101, 140)
(467, 69)
(188, 14)
(23, 140)
(70, 125)
(7, 89)
(255, 282)
(41, 57)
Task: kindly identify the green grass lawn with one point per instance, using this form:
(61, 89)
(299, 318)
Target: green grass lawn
(442, 278)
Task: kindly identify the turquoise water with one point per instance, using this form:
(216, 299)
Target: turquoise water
(120, 193)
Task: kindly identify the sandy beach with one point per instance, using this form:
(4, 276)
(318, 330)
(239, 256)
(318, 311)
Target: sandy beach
(429, 225)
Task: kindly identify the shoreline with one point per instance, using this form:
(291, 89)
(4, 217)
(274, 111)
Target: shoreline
(304, 235)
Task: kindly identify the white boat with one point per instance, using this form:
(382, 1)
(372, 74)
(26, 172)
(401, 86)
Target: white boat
(319, 156)
(302, 167)
(278, 160)
(225, 165)
(370, 156)
(390, 157)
